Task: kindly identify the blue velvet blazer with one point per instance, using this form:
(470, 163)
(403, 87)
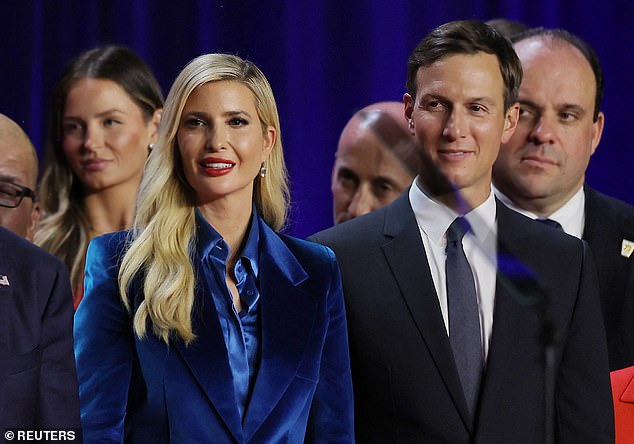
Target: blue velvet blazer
(147, 391)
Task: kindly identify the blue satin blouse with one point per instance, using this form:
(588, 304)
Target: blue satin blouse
(241, 331)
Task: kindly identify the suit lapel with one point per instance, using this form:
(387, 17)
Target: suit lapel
(208, 360)
(408, 261)
(515, 292)
(602, 239)
(288, 315)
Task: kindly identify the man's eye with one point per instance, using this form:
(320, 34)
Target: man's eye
(347, 179)
(383, 189)
(568, 117)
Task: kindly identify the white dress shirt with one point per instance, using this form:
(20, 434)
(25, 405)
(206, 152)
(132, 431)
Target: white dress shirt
(480, 247)
(571, 216)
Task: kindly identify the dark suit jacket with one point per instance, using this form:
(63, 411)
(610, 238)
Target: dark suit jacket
(176, 393)
(405, 381)
(608, 222)
(38, 383)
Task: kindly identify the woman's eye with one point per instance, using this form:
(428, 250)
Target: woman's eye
(110, 122)
(238, 121)
(194, 122)
(71, 127)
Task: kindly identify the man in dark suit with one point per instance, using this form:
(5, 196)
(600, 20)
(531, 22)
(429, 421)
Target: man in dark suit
(540, 171)
(38, 382)
(467, 321)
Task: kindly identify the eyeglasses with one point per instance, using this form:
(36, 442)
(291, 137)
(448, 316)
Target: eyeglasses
(11, 194)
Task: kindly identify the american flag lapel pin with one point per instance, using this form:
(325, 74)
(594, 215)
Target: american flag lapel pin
(627, 247)
(4, 280)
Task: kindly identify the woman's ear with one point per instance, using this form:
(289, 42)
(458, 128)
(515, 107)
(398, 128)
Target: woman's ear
(270, 136)
(154, 125)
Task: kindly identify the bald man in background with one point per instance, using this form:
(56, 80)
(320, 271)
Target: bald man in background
(375, 161)
(38, 381)
(18, 176)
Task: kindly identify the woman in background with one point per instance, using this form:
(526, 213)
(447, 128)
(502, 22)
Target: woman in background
(203, 324)
(104, 119)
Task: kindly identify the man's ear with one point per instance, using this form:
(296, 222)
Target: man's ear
(511, 118)
(597, 130)
(34, 220)
(408, 102)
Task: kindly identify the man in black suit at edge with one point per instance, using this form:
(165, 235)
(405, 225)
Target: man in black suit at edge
(540, 171)
(38, 381)
(418, 374)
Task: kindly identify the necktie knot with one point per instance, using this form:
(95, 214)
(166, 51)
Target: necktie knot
(550, 222)
(456, 231)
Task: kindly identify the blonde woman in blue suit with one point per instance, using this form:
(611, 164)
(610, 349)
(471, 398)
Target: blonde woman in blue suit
(203, 323)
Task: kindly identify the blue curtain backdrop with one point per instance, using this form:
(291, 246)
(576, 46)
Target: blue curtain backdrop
(324, 59)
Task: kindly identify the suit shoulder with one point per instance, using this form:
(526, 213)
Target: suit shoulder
(20, 250)
(351, 231)
(607, 207)
(110, 244)
(535, 233)
(307, 249)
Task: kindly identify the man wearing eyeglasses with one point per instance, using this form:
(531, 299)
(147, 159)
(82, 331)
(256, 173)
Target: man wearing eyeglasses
(38, 381)
(19, 209)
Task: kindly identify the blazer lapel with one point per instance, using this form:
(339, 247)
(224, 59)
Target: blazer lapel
(628, 393)
(408, 261)
(288, 315)
(208, 348)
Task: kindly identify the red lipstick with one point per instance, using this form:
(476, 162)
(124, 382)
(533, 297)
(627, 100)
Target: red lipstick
(216, 166)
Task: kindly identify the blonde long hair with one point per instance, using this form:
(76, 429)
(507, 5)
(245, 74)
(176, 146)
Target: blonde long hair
(161, 244)
(63, 230)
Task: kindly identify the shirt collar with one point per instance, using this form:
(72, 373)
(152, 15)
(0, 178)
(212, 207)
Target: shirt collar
(571, 215)
(208, 239)
(434, 218)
